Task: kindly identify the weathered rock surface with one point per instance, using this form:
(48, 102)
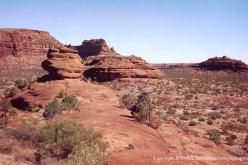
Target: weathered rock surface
(39, 94)
(223, 63)
(108, 68)
(20, 42)
(104, 64)
(63, 63)
(94, 47)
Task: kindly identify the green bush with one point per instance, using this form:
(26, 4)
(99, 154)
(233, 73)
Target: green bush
(69, 102)
(10, 92)
(67, 139)
(52, 108)
(171, 111)
(231, 139)
(63, 139)
(214, 135)
(184, 117)
(209, 122)
(23, 132)
(128, 101)
(192, 123)
(21, 83)
(143, 108)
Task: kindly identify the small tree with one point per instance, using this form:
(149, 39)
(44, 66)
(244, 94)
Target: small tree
(128, 100)
(142, 110)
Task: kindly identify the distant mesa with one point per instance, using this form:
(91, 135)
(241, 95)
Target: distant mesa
(223, 63)
(20, 42)
(104, 64)
(63, 63)
(94, 47)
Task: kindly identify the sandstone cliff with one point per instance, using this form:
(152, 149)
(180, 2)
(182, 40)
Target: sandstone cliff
(20, 42)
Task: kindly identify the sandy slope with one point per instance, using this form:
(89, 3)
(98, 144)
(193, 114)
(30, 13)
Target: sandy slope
(100, 109)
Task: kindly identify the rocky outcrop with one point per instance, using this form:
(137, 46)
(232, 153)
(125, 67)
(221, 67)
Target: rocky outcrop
(95, 47)
(20, 42)
(223, 63)
(108, 68)
(104, 64)
(63, 63)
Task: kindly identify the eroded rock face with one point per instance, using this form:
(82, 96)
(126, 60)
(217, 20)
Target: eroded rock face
(20, 42)
(94, 47)
(108, 68)
(63, 63)
(223, 63)
(104, 64)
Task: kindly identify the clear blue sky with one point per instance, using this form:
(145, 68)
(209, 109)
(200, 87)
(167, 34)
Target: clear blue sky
(157, 30)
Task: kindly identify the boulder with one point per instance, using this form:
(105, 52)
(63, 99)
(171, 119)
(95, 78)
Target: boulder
(94, 47)
(223, 63)
(63, 63)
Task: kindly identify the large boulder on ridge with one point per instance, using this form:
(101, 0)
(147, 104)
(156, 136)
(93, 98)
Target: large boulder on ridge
(95, 47)
(63, 63)
(223, 63)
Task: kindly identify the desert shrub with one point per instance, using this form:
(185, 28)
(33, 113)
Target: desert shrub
(128, 101)
(214, 115)
(184, 117)
(240, 128)
(6, 146)
(21, 83)
(52, 108)
(143, 108)
(209, 122)
(202, 119)
(192, 123)
(230, 139)
(171, 111)
(23, 132)
(12, 111)
(10, 92)
(69, 102)
(67, 139)
(131, 146)
(242, 120)
(214, 135)
(186, 113)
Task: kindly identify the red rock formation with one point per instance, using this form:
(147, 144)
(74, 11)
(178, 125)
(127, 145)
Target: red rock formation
(108, 68)
(104, 64)
(25, 42)
(63, 63)
(94, 47)
(223, 63)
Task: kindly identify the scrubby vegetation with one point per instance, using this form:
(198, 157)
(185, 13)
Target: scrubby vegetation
(142, 109)
(199, 101)
(21, 83)
(56, 106)
(128, 100)
(61, 139)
